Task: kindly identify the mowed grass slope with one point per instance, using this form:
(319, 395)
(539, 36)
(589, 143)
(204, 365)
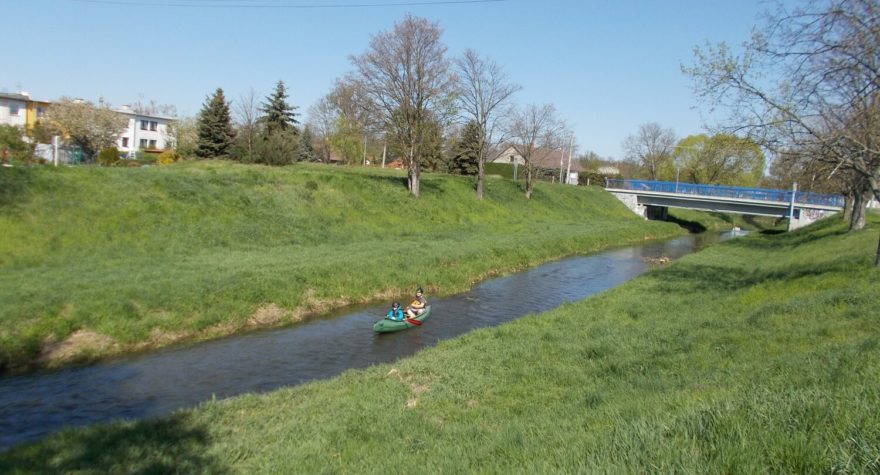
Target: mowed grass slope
(758, 355)
(96, 261)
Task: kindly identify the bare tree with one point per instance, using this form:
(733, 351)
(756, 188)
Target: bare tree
(652, 146)
(483, 92)
(246, 110)
(406, 74)
(808, 80)
(322, 118)
(533, 130)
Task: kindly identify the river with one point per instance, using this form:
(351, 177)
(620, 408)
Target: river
(35, 405)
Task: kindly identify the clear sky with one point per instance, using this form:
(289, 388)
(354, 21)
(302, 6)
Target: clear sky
(608, 66)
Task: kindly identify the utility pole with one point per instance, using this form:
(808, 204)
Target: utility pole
(791, 206)
(384, 148)
(561, 161)
(570, 149)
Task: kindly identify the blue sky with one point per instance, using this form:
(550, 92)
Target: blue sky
(608, 66)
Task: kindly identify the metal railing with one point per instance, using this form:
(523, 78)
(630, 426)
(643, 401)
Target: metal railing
(733, 192)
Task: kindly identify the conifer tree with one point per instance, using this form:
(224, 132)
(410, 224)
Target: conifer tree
(279, 115)
(466, 151)
(215, 127)
(306, 150)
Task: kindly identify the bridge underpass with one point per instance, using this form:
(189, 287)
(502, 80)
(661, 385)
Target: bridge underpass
(652, 200)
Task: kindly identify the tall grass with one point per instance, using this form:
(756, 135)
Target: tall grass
(758, 355)
(108, 260)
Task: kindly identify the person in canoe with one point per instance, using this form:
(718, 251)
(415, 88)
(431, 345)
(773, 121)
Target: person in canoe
(417, 306)
(396, 313)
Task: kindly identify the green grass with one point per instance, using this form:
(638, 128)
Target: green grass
(757, 355)
(125, 259)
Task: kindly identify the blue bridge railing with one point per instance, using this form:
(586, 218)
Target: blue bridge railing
(735, 192)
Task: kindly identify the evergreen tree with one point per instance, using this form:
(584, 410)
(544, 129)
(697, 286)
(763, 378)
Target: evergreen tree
(306, 150)
(215, 127)
(279, 115)
(466, 151)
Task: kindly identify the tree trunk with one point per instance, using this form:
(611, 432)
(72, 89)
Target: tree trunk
(528, 180)
(860, 210)
(876, 193)
(480, 177)
(847, 206)
(877, 257)
(415, 179)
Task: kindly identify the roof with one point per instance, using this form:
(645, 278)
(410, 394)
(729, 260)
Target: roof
(547, 158)
(131, 112)
(16, 97)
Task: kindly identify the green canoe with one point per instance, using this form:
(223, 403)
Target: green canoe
(387, 326)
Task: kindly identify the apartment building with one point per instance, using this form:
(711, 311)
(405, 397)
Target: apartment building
(143, 132)
(13, 109)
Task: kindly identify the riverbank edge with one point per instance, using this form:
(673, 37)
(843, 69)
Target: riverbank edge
(85, 347)
(780, 384)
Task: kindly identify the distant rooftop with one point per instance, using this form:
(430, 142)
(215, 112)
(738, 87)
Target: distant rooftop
(21, 96)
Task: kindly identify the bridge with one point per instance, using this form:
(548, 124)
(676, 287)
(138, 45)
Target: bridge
(652, 199)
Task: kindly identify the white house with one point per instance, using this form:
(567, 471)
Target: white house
(144, 131)
(13, 109)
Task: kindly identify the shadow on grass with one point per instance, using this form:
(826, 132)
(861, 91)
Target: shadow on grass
(726, 279)
(820, 230)
(15, 185)
(169, 445)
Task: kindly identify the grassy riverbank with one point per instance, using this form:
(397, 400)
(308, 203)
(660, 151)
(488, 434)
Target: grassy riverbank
(757, 355)
(97, 261)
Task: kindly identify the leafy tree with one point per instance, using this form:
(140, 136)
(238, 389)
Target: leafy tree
(278, 115)
(721, 159)
(215, 127)
(86, 125)
(183, 135)
(347, 140)
(466, 152)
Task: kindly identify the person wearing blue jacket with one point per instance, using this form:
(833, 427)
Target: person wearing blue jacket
(396, 313)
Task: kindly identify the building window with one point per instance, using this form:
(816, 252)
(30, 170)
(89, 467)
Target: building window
(125, 142)
(41, 111)
(153, 125)
(143, 143)
(152, 144)
(13, 109)
(144, 124)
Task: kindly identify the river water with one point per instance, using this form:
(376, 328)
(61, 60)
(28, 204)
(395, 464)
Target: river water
(154, 384)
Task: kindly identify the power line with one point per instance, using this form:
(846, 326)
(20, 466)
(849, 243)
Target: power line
(282, 4)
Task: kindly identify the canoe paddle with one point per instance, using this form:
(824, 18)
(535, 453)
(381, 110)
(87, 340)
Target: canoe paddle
(413, 321)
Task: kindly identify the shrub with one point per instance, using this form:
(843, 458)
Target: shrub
(168, 157)
(108, 156)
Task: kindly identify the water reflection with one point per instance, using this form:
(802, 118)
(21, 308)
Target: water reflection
(33, 406)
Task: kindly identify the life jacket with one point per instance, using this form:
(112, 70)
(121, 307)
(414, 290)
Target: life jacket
(395, 315)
